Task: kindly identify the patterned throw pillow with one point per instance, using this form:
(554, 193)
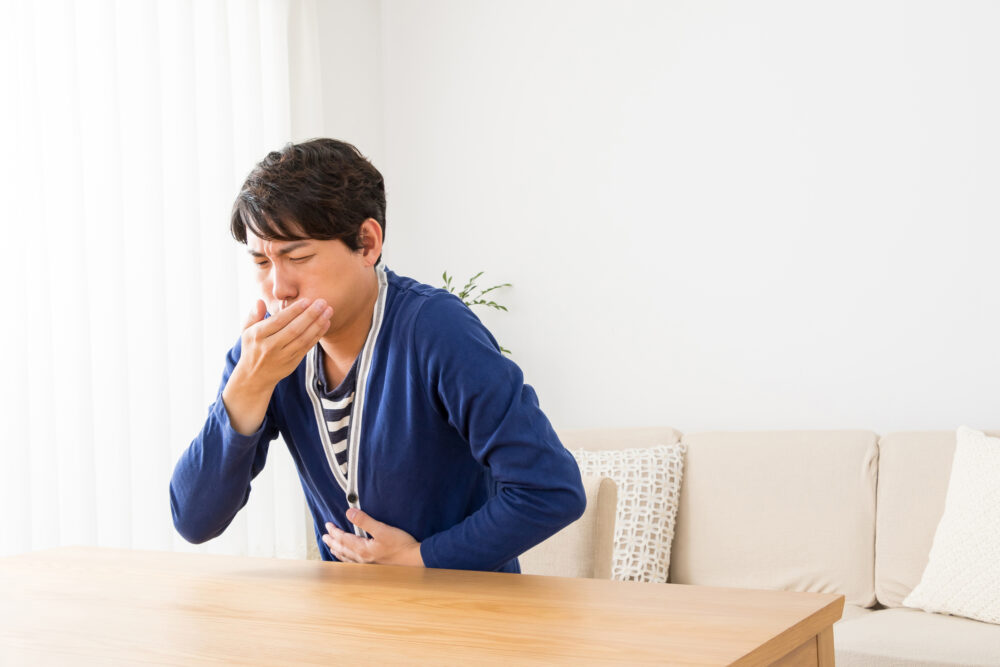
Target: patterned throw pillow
(962, 576)
(649, 485)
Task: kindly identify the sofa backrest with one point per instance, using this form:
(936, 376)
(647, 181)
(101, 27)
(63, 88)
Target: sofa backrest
(791, 510)
(914, 471)
(618, 438)
(825, 511)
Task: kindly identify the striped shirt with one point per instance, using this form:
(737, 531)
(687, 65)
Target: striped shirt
(337, 403)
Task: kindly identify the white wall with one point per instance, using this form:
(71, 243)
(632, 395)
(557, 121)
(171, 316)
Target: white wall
(715, 214)
(351, 51)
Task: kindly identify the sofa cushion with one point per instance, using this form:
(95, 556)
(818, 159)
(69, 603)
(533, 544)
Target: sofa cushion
(583, 548)
(648, 481)
(605, 439)
(792, 510)
(852, 611)
(914, 469)
(963, 572)
(898, 637)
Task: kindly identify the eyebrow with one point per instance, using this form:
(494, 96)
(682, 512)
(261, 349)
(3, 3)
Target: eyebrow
(291, 247)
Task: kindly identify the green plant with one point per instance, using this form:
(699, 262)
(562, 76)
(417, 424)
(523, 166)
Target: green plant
(466, 294)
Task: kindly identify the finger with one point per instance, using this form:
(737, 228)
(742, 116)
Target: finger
(334, 550)
(256, 315)
(365, 522)
(333, 530)
(346, 546)
(303, 332)
(280, 320)
(330, 539)
(292, 328)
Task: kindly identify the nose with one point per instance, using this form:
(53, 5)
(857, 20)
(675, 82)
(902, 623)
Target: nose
(283, 286)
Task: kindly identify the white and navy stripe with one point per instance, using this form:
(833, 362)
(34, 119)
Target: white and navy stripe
(336, 404)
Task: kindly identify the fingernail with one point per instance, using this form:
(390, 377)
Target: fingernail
(351, 513)
(328, 313)
(319, 304)
(329, 527)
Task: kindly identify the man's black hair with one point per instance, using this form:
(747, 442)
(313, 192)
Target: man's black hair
(320, 189)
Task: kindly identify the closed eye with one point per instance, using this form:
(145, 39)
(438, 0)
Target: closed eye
(262, 262)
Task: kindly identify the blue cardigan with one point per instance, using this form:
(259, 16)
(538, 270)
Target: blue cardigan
(446, 442)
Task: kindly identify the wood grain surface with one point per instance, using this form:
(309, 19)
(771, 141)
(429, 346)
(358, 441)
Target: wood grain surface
(85, 605)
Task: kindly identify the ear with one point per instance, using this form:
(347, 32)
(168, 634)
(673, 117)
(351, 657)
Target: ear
(370, 234)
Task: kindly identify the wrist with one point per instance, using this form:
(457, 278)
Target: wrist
(245, 402)
(247, 383)
(413, 557)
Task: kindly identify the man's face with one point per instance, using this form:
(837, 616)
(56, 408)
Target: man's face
(290, 270)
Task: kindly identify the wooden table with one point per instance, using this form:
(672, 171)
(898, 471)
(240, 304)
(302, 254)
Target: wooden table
(79, 605)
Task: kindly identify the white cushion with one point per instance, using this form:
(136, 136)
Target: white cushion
(962, 577)
(649, 481)
(583, 548)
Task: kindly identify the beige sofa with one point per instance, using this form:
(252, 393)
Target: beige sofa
(847, 512)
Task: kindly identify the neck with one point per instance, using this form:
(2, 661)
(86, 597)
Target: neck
(343, 344)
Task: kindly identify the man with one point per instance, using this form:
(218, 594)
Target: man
(416, 441)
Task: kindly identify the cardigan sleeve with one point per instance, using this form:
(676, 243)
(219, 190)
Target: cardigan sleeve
(211, 480)
(483, 395)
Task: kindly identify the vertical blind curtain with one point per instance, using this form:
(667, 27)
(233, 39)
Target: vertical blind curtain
(128, 127)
